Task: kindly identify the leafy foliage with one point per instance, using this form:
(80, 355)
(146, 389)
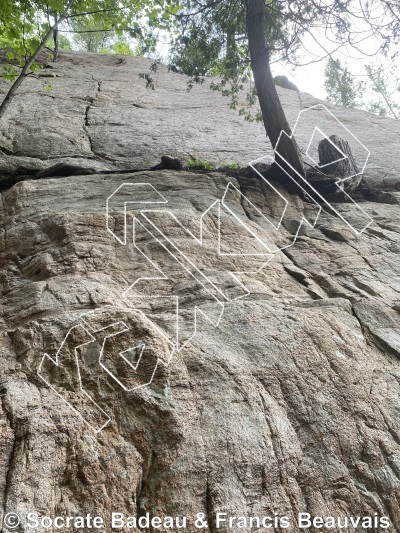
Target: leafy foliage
(230, 166)
(387, 88)
(17, 34)
(340, 85)
(26, 27)
(121, 47)
(90, 34)
(213, 41)
(342, 89)
(92, 25)
(199, 164)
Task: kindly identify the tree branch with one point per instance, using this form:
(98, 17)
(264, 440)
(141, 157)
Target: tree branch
(25, 70)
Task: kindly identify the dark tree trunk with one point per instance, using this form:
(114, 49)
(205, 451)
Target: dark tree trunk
(336, 172)
(332, 161)
(55, 39)
(230, 47)
(272, 112)
(339, 166)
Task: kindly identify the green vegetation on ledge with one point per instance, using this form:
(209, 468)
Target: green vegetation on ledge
(201, 164)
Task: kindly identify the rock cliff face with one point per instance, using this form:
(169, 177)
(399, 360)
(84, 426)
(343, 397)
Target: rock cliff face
(274, 389)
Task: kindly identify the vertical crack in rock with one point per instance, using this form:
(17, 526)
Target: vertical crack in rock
(8, 460)
(87, 111)
(209, 508)
(87, 125)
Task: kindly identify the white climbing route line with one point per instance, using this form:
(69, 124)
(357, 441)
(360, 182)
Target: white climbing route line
(139, 215)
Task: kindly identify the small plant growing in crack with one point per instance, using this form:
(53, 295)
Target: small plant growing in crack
(199, 164)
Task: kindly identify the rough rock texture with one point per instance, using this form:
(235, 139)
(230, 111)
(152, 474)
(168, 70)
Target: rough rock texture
(291, 404)
(100, 113)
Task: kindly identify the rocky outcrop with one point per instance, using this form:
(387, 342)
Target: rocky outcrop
(101, 114)
(287, 402)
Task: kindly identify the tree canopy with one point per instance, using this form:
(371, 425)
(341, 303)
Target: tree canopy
(378, 93)
(340, 85)
(238, 40)
(234, 40)
(27, 26)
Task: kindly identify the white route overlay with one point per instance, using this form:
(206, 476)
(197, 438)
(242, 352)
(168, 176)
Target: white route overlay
(147, 291)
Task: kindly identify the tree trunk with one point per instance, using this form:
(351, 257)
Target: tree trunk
(332, 162)
(230, 47)
(25, 71)
(272, 112)
(335, 174)
(55, 39)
